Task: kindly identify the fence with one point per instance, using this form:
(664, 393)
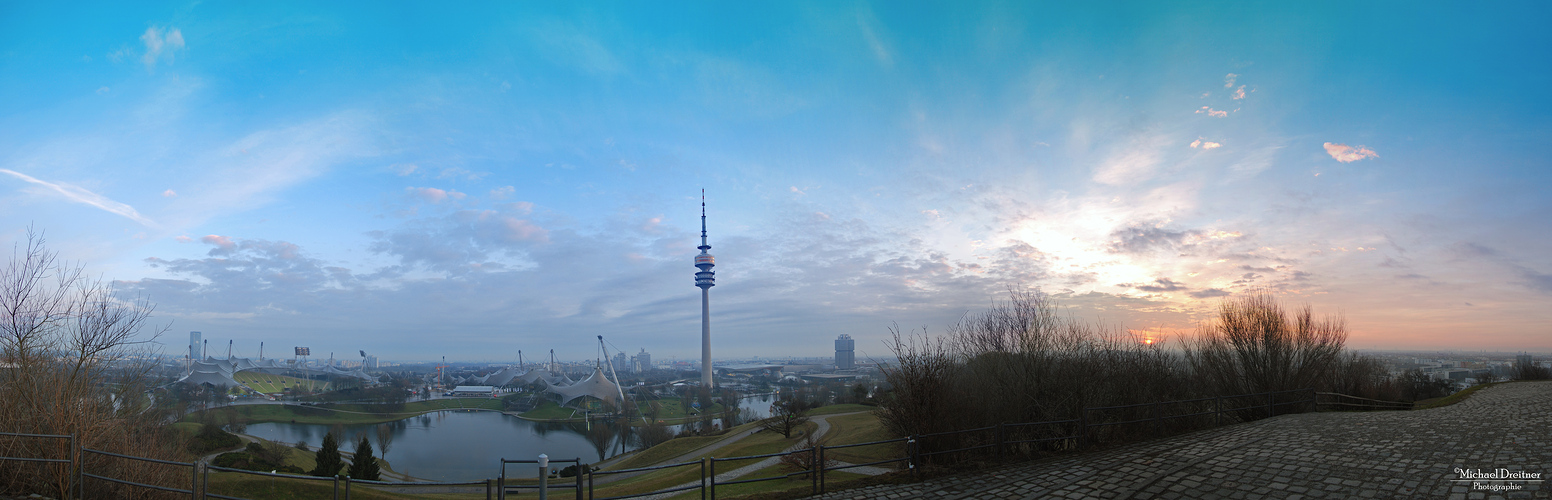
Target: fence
(1093, 426)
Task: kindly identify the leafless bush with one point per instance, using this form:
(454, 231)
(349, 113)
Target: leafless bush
(75, 364)
(1021, 361)
(803, 460)
(1255, 346)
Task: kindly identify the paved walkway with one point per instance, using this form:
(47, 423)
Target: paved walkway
(1314, 455)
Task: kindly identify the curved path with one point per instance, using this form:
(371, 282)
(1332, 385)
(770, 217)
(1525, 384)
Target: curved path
(1411, 454)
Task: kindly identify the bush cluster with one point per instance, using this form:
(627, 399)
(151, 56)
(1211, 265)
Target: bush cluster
(1021, 361)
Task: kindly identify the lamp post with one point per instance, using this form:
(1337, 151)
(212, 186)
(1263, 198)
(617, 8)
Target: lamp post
(544, 476)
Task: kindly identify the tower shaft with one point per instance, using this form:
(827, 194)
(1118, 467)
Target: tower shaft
(705, 279)
(706, 337)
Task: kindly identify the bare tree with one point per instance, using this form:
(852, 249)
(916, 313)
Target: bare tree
(384, 437)
(77, 364)
(786, 415)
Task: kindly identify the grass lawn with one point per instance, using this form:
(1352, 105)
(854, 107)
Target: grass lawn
(840, 408)
(675, 447)
(860, 428)
(1453, 398)
(267, 488)
(548, 410)
(275, 384)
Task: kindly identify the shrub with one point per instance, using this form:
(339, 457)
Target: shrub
(364, 465)
(328, 458)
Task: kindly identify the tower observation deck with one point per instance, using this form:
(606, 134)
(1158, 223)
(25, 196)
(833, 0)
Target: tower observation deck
(705, 279)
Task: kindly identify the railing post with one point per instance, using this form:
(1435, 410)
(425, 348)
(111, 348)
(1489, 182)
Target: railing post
(1083, 428)
(501, 481)
(194, 480)
(712, 476)
(336, 487)
(1002, 439)
(1217, 410)
(589, 483)
(347, 487)
(910, 452)
(703, 479)
(579, 478)
(488, 483)
(821, 470)
(1269, 395)
(813, 470)
(1154, 422)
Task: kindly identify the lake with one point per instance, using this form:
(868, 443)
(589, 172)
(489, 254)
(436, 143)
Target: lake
(467, 445)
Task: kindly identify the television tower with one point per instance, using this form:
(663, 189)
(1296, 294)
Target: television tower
(705, 279)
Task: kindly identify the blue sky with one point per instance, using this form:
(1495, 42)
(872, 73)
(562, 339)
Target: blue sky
(417, 181)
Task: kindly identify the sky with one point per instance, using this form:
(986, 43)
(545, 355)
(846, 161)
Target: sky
(471, 180)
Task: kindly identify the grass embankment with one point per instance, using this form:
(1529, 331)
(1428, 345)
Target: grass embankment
(670, 411)
(1454, 398)
(276, 488)
(840, 408)
(344, 414)
(860, 428)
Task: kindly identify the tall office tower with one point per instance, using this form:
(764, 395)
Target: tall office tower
(621, 362)
(845, 358)
(194, 346)
(643, 362)
(705, 279)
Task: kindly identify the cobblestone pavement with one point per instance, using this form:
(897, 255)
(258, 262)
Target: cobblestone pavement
(1406, 454)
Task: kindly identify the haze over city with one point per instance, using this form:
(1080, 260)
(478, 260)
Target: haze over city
(421, 181)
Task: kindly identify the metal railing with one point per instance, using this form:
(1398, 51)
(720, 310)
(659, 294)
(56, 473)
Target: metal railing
(70, 453)
(193, 490)
(700, 486)
(1349, 402)
(502, 487)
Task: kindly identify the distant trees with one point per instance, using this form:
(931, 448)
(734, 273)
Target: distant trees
(1529, 371)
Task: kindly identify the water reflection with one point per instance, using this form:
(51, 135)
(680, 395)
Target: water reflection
(466, 446)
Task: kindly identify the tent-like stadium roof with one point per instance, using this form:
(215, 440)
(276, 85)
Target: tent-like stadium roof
(218, 372)
(595, 385)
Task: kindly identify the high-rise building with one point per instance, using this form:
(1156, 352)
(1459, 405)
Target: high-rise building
(705, 279)
(845, 357)
(369, 362)
(621, 363)
(194, 346)
(642, 362)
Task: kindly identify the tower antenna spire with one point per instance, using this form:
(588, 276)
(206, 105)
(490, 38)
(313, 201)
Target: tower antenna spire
(705, 279)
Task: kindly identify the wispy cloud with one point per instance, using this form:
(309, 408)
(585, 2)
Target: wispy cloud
(1348, 154)
(434, 195)
(1228, 81)
(1212, 112)
(1239, 93)
(81, 195)
(1205, 144)
(867, 22)
(158, 45)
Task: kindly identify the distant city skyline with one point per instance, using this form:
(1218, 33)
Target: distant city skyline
(429, 180)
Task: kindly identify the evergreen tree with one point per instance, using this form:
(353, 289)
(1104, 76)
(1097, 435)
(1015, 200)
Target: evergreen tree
(364, 465)
(328, 457)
